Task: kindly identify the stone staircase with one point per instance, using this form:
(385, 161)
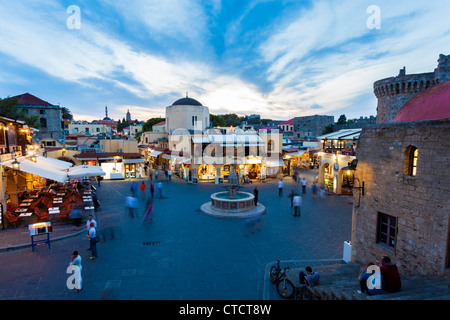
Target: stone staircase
(340, 282)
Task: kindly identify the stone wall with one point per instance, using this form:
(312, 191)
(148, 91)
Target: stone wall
(311, 126)
(421, 203)
(392, 93)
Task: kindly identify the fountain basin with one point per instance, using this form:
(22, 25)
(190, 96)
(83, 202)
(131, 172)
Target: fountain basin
(242, 206)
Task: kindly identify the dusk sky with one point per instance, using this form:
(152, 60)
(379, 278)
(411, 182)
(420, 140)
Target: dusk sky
(279, 59)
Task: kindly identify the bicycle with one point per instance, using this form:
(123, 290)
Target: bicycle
(285, 287)
(275, 272)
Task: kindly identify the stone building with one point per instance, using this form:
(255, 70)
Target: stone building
(392, 93)
(187, 113)
(311, 126)
(50, 116)
(403, 166)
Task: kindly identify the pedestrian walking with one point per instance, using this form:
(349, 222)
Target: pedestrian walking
(303, 185)
(253, 222)
(169, 174)
(148, 211)
(131, 203)
(291, 196)
(143, 186)
(76, 261)
(255, 193)
(93, 239)
(98, 180)
(133, 188)
(156, 175)
(152, 189)
(95, 201)
(75, 214)
(280, 188)
(314, 190)
(159, 187)
(321, 191)
(297, 202)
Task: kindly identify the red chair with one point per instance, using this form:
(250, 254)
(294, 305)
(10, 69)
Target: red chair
(12, 219)
(41, 213)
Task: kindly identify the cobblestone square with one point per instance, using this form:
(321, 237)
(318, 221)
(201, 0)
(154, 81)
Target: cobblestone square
(184, 254)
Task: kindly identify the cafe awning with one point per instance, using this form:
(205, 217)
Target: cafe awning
(141, 160)
(155, 153)
(85, 170)
(48, 172)
(58, 164)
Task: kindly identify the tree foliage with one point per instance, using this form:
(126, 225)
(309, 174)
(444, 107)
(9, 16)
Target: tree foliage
(342, 119)
(148, 125)
(8, 109)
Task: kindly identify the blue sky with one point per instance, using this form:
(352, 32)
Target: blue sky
(280, 59)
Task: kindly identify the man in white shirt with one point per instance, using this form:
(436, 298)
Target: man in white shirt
(88, 225)
(89, 221)
(297, 202)
(304, 185)
(93, 241)
(280, 188)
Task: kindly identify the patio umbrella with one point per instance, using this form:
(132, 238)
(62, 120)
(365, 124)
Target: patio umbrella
(85, 170)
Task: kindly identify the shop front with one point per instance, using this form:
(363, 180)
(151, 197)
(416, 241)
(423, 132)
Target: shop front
(335, 174)
(133, 167)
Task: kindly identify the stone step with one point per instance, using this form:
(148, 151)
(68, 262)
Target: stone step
(414, 287)
(340, 282)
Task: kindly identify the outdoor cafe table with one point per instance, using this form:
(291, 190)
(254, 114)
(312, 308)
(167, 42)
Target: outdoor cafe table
(25, 204)
(58, 201)
(21, 210)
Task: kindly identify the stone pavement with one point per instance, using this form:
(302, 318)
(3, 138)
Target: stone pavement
(182, 254)
(18, 238)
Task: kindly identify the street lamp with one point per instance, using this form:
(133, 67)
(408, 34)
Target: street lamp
(16, 165)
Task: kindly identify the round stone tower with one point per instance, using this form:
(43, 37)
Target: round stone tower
(392, 93)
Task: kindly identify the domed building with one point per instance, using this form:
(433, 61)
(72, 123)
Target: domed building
(187, 113)
(401, 203)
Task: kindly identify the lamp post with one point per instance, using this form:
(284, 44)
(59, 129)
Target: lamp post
(16, 165)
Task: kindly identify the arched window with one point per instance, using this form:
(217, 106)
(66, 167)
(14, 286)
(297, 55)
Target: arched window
(411, 156)
(270, 145)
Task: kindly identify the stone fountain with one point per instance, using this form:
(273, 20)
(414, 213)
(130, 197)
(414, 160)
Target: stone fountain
(233, 203)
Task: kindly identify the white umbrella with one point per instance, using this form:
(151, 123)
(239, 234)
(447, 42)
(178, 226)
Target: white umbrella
(85, 170)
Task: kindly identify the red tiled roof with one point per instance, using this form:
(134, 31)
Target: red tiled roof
(431, 104)
(27, 98)
(160, 123)
(290, 122)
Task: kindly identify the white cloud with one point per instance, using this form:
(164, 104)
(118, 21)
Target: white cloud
(329, 39)
(317, 58)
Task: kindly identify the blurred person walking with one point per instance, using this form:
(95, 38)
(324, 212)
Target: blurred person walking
(131, 203)
(143, 186)
(148, 212)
